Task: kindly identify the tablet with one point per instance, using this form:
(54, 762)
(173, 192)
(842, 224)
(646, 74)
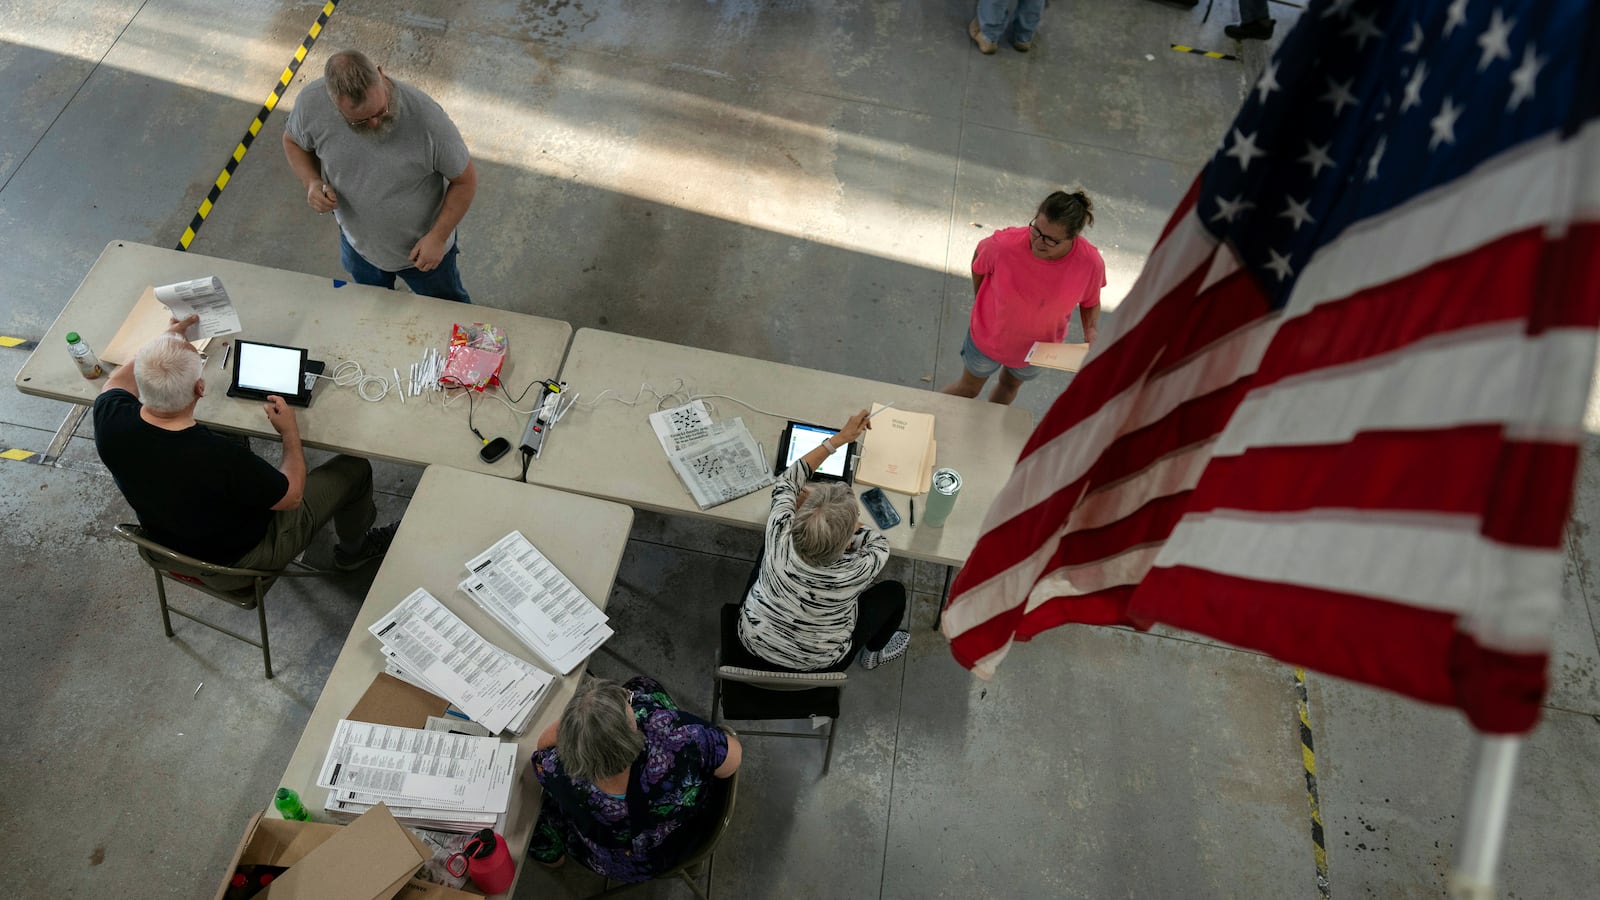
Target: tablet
(799, 439)
(260, 370)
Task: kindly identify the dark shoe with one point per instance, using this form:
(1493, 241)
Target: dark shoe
(1259, 30)
(984, 44)
(373, 546)
(1022, 46)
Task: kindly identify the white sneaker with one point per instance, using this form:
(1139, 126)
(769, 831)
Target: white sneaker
(896, 648)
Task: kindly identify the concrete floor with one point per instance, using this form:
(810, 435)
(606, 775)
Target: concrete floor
(796, 181)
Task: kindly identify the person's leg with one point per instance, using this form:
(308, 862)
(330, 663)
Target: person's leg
(443, 282)
(879, 611)
(361, 271)
(1254, 23)
(975, 370)
(549, 844)
(992, 18)
(1028, 14)
(1005, 390)
(339, 489)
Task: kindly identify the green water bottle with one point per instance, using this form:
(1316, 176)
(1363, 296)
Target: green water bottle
(288, 803)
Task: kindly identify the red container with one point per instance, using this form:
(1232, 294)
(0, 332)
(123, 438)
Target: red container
(488, 862)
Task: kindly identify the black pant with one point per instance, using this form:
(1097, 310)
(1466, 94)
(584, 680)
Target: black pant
(879, 611)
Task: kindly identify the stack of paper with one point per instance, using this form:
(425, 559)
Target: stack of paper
(431, 779)
(716, 461)
(442, 654)
(898, 453)
(526, 593)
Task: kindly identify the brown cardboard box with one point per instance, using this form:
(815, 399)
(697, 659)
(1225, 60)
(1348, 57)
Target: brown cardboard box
(422, 890)
(372, 858)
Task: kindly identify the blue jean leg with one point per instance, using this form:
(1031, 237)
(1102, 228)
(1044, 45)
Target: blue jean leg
(444, 282)
(1028, 13)
(992, 18)
(360, 270)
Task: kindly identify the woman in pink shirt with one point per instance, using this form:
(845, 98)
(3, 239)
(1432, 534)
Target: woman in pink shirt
(1028, 281)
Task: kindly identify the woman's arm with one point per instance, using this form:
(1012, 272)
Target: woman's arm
(730, 763)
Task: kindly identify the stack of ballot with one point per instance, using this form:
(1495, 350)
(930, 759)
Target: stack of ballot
(428, 779)
(428, 646)
(527, 594)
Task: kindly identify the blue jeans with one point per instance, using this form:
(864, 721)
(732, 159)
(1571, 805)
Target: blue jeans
(981, 366)
(993, 15)
(444, 282)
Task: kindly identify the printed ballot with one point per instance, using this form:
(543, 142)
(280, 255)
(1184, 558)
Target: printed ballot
(419, 768)
(526, 593)
(203, 297)
(432, 645)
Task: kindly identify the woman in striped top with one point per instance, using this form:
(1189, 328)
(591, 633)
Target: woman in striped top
(808, 606)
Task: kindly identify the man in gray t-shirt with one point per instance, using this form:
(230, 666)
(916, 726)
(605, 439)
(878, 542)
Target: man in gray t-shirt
(386, 160)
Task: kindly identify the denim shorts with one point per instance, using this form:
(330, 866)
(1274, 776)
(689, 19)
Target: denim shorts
(982, 366)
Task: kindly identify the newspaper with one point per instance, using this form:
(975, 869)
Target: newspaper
(725, 464)
(203, 297)
(681, 426)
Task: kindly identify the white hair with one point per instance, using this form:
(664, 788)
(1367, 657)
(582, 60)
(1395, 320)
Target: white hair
(166, 371)
(824, 523)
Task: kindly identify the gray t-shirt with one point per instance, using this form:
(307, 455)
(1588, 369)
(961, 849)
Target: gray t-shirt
(390, 186)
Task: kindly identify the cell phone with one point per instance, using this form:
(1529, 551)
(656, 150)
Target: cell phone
(883, 512)
(495, 449)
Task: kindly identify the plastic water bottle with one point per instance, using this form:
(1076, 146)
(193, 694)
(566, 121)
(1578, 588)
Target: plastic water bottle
(88, 364)
(288, 803)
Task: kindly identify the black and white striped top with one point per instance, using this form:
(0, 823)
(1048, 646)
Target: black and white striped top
(800, 616)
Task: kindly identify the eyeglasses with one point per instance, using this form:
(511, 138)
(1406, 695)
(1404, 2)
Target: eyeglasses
(1047, 240)
(380, 115)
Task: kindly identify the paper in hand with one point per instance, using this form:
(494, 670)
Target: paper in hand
(203, 297)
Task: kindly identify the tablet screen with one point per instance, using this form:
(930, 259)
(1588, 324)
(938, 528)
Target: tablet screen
(273, 370)
(804, 438)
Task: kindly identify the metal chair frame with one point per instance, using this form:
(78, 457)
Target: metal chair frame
(188, 571)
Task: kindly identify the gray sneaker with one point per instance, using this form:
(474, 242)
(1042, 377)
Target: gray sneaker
(373, 546)
(896, 648)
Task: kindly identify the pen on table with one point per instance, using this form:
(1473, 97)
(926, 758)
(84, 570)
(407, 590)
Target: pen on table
(885, 406)
(227, 354)
(396, 371)
(913, 512)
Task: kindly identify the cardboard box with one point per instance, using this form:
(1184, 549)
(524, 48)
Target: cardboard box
(422, 890)
(372, 858)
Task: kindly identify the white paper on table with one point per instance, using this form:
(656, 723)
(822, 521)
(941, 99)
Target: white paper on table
(203, 297)
(482, 680)
(497, 799)
(681, 425)
(423, 767)
(725, 465)
(527, 594)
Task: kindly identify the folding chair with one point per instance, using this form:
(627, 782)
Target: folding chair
(686, 869)
(189, 571)
(749, 688)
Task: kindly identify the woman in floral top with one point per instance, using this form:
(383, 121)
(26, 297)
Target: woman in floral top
(631, 783)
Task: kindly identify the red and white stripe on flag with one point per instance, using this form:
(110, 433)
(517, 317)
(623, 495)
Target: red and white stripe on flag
(1370, 481)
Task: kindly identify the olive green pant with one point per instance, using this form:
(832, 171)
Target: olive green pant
(339, 489)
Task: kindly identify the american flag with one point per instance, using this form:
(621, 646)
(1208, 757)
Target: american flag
(1337, 417)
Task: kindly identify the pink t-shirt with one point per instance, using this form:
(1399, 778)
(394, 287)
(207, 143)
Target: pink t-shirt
(1024, 298)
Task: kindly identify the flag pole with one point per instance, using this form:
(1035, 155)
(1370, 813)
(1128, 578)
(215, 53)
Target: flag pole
(1483, 833)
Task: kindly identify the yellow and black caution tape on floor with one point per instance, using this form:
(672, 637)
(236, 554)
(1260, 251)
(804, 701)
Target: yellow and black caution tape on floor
(17, 343)
(243, 147)
(22, 456)
(1209, 54)
(1308, 756)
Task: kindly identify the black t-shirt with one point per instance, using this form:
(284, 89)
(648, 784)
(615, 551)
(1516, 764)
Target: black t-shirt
(193, 491)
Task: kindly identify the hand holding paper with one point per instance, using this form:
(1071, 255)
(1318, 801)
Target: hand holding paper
(204, 298)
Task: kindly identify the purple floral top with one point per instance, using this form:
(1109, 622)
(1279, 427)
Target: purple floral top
(672, 796)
